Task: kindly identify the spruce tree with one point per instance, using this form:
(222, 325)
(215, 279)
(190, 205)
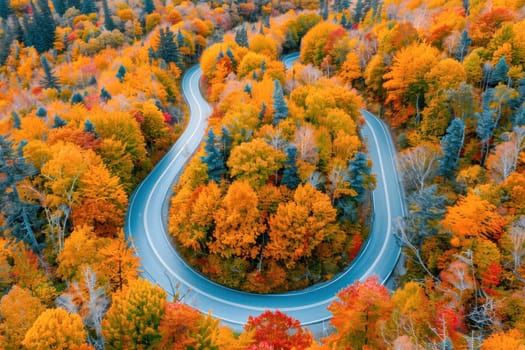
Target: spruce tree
(485, 129)
(290, 42)
(168, 50)
(77, 98)
(214, 158)
(148, 6)
(121, 73)
(499, 73)
(5, 9)
(241, 37)
(108, 21)
(88, 7)
(279, 104)
(464, 44)
(59, 6)
(40, 30)
(50, 81)
(89, 127)
(17, 123)
(5, 43)
(41, 112)
(290, 177)
(20, 218)
(451, 144)
(358, 11)
(359, 172)
(248, 90)
(58, 122)
(105, 95)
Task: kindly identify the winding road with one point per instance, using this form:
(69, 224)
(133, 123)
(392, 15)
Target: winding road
(146, 225)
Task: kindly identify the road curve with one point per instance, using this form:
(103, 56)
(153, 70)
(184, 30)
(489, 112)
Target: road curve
(146, 225)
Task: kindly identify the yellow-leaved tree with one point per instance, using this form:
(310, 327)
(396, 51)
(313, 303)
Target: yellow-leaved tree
(56, 329)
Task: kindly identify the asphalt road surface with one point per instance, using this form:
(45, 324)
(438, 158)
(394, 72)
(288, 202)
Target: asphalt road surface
(146, 225)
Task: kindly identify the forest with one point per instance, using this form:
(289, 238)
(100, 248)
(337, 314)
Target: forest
(278, 196)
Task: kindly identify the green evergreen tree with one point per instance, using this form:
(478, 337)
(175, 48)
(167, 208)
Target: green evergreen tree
(451, 144)
(89, 127)
(77, 98)
(463, 46)
(40, 28)
(108, 20)
(58, 122)
(88, 7)
(168, 50)
(41, 112)
(485, 129)
(121, 73)
(280, 106)
(5, 43)
(148, 6)
(358, 11)
(5, 9)
(214, 158)
(290, 177)
(241, 37)
(17, 123)
(248, 90)
(499, 73)
(60, 7)
(105, 95)
(359, 173)
(21, 218)
(50, 81)
(290, 43)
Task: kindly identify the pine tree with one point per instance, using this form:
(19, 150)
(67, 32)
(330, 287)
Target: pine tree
(499, 73)
(40, 31)
(358, 11)
(5, 9)
(485, 129)
(214, 158)
(451, 144)
(105, 95)
(108, 21)
(121, 73)
(58, 122)
(5, 43)
(17, 123)
(290, 43)
(20, 218)
(290, 177)
(180, 39)
(41, 112)
(49, 81)
(168, 50)
(89, 127)
(248, 90)
(359, 172)
(241, 37)
(60, 7)
(148, 6)
(280, 106)
(464, 44)
(77, 98)
(88, 7)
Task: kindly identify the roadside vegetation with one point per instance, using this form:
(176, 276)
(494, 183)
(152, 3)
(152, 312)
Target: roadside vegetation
(278, 196)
